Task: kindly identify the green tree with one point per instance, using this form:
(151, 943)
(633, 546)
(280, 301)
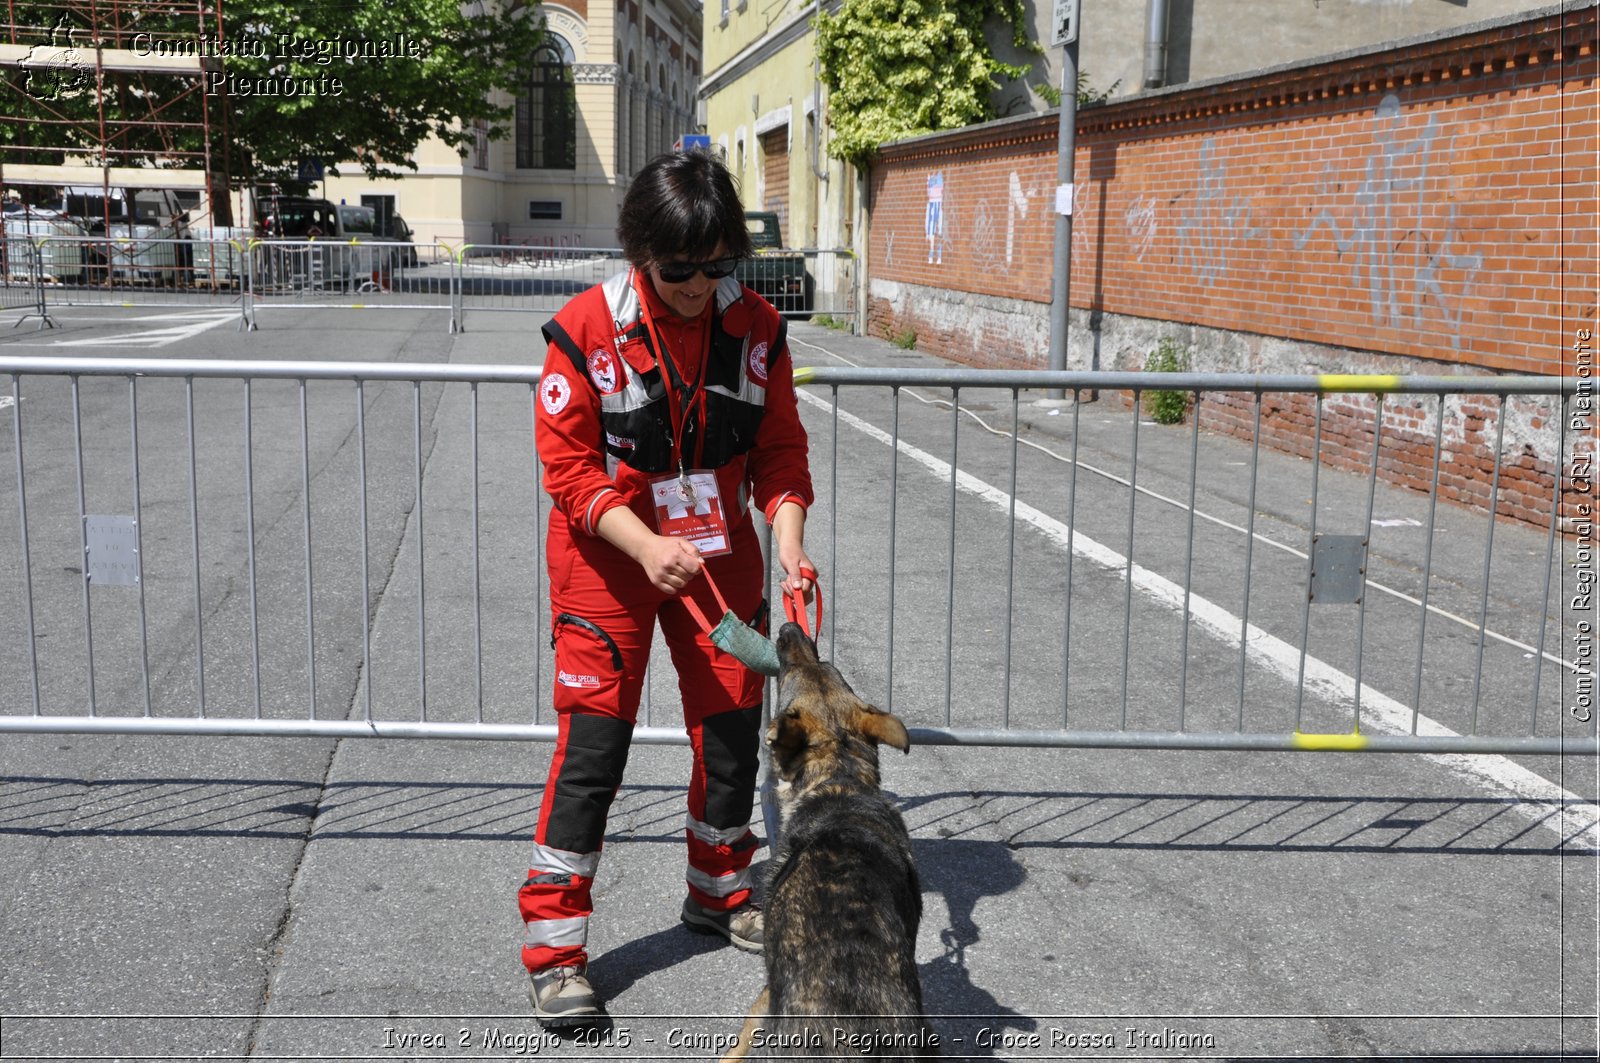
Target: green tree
(899, 68)
(438, 64)
(388, 106)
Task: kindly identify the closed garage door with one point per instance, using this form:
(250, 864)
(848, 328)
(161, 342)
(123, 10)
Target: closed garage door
(775, 176)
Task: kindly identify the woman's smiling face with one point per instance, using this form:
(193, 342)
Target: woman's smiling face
(687, 299)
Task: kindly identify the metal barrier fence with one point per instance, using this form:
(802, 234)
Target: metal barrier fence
(306, 274)
(201, 271)
(798, 283)
(20, 285)
(522, 278)
(267, 275)
(343, 549)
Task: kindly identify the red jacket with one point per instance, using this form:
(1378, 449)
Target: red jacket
(604, 418)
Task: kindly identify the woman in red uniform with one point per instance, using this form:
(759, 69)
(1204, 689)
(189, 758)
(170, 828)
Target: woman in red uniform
(666, 410)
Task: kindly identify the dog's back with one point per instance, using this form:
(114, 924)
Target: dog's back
(843, 899)
(842, 913)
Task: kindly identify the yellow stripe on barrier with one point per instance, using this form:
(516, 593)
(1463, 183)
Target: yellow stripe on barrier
(804, 374)
(1372, 382)
(1322, 742)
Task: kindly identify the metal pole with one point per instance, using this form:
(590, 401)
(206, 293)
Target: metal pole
(1067, 141)
(1155, 45)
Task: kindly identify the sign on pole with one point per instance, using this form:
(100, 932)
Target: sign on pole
(1065, 21)
(113, 551)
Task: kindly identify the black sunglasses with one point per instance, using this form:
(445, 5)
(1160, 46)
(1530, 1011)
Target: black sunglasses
(678, 272)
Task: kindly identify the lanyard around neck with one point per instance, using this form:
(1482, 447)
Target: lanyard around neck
(682, 399)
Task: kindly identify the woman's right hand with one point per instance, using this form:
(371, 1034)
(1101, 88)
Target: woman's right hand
(670, 563)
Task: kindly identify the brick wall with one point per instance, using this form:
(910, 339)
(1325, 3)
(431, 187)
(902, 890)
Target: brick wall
(1427, 209)
(1410, 427)
(1437, 201)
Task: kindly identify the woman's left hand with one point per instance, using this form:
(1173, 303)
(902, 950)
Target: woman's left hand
(792, 567)
(788, 535)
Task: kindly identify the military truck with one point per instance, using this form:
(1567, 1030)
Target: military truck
(778, 276)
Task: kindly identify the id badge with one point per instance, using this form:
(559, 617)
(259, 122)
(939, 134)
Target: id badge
(689, 507)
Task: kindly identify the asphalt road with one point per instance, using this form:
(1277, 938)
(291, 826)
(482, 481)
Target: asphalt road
(309, 898)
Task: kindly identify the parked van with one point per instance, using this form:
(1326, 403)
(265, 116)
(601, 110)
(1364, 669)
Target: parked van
(360, 223)
(398, 231)
(341, 225)
(296, 218)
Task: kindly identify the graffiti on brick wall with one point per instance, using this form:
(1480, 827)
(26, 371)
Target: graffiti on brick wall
(1082, 238)
(973, 224)
(1214, 222)
(1140, 218)
(1398, 256)
(984, 239)
(933, 218)
(983, 243)
(1016, 206)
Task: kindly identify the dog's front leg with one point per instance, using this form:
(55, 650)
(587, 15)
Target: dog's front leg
(741, 1048)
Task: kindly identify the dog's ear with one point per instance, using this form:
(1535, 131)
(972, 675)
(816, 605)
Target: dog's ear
(882, 727)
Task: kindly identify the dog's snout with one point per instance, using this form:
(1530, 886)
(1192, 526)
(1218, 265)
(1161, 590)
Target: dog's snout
(793, 645)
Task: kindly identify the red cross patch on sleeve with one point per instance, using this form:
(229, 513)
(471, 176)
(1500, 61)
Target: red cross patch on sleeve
(758, 363)
(555, 392)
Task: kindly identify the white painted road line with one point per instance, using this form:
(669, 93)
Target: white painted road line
(192, 324)
(1541, 801)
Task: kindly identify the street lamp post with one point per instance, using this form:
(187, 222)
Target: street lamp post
(1066, 36)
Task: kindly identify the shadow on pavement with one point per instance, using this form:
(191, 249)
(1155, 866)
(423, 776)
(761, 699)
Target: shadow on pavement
(1049, 820)
(964, 873)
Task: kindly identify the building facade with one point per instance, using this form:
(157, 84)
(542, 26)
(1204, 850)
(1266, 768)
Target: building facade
(761, 110)
(612, 85)
(765, 109)
(1128, 46)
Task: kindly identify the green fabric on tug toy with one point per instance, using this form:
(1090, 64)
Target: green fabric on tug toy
(732, 635)
(754, 650)
(738, 639)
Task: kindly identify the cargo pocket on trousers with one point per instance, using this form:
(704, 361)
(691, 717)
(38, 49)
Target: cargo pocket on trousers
(588, 663)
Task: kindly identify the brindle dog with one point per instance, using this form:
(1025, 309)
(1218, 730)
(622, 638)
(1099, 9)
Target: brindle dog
(843, 899)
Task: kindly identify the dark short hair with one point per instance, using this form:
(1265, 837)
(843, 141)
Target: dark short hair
(681, 205)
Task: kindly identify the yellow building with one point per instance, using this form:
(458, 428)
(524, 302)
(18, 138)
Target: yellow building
(612, 85)
(764, 108)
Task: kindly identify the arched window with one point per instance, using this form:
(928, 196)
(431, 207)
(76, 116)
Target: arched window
(547, 111)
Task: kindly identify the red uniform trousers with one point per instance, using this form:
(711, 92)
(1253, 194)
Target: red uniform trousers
(604, 614)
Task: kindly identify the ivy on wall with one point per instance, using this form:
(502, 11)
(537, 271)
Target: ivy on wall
(900, 68)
